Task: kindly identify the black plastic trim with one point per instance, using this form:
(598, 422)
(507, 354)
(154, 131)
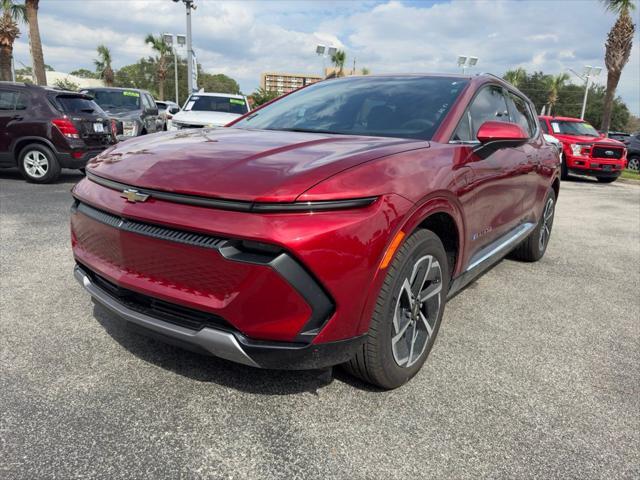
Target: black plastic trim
(237, 205)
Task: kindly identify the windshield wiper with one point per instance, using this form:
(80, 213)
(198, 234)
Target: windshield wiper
(307, 130)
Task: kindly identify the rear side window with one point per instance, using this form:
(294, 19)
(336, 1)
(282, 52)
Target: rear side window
(70, 104)
(519, 113)
(10, 100)
(488, 105)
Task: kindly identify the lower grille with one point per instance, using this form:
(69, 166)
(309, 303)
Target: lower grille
(612, 153)
(169, 312)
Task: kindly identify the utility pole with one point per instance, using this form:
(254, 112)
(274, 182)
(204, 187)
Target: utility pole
(589, 73)
(189, 4)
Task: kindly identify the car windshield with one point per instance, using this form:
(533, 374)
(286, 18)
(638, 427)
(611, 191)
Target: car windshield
(72, 104)
(406, 107)
(207, 103)
(573, 128)
(114, 100)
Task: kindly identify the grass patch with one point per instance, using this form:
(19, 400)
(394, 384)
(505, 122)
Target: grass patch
(630, 174)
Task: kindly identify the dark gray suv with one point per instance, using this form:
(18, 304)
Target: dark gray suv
(135, 111)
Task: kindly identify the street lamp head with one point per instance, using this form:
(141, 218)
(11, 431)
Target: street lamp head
(462, 60)
(596, 71)
(168, 38)
(182, 40)
(320, 49)
(587, 70)
(472, 61)
(332, 51)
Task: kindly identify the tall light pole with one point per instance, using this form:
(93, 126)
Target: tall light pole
(465, 62)
(189, 4)
(168, 39)
(324, 52)
(588, 73)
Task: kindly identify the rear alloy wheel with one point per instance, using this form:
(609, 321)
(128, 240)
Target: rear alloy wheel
(408, 313)
(533, 247)
(634, 164)
(38, 164)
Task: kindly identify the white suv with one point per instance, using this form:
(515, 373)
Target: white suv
(209, 110)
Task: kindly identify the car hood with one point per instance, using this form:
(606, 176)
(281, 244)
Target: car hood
(205, 118)
(240, 164)
(587, 139)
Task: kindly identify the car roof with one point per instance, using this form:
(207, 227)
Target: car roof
(119, 89)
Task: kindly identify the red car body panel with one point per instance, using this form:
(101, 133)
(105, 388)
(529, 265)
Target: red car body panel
(342, 250)
(591, 161)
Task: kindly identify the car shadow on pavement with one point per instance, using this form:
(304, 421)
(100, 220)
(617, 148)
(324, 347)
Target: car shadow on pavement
(66, 176)
(204, 368)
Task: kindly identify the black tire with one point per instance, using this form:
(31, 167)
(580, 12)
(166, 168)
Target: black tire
(634, 163)
(376, 362)
(564, 171)
(48, 169)
(607, 179)
(533, 247)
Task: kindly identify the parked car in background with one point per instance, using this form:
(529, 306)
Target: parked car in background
(166, 111)
(620, 136)
(209, 110)
(43, 130)
(632, 142)
(134, 110)
(329, 226)
(585, 151)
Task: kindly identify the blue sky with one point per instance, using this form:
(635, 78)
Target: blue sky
(244, 38)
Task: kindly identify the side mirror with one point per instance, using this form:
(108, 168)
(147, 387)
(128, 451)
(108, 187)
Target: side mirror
(496, 135)
(173, 110)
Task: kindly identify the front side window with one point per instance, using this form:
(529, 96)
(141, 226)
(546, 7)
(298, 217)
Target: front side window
(404, 107)
(488, 105)
(208, 103)
(519, 113)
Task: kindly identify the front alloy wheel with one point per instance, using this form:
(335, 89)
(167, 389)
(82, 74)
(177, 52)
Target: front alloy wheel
(407, 314)
(416, 311)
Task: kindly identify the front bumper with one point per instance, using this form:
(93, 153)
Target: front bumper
(224, 343)
(595, 166)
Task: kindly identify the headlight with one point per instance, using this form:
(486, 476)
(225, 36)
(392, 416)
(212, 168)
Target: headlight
(129, 128)
(576, 149)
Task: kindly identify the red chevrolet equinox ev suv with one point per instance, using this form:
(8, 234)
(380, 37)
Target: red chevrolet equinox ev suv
(327, 227)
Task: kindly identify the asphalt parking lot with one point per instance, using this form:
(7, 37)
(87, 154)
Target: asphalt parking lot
(535, 374)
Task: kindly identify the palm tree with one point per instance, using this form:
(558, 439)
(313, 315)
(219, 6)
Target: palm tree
(516, 77)
(618, 49)
(31, 11)
(12, 13)
(338, 60)
(159, 45)
(103, 65)
(554, 84)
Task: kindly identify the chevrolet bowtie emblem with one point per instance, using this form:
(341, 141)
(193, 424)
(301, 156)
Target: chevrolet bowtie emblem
(132, 195)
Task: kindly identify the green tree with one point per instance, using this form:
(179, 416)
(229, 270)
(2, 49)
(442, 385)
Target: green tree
(35, 44)
(84, 73)
(262, 96)
(12, 14)
(164, 50)
(218, 82)
(618, 49)
(515, 77)
(554, 84)
(103, 65)
(141, 74)
(338, 60)
(66, 85)
(365, 71)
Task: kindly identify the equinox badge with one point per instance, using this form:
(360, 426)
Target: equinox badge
(132, 195)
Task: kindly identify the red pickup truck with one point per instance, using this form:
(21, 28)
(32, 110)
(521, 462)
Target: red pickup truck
(584, 150)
